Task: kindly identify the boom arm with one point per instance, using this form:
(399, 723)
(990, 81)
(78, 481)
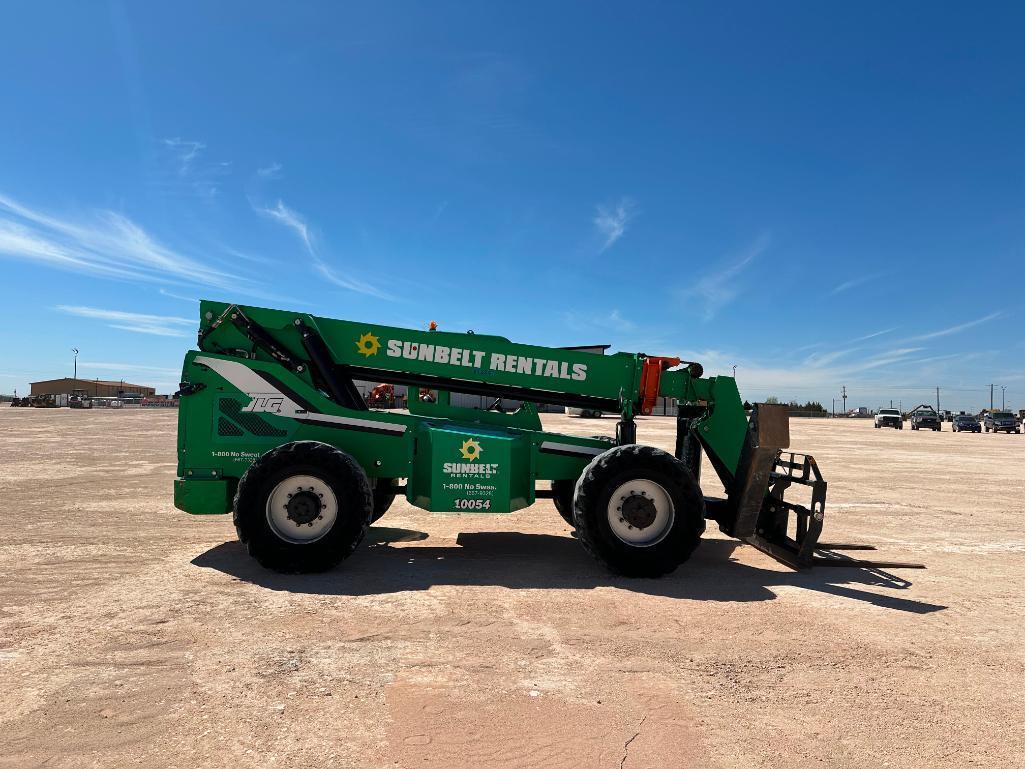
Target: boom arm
(474, 363)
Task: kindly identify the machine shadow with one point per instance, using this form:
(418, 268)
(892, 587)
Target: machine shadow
(518, 560)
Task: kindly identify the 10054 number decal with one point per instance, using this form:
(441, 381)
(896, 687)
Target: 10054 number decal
(473, 504)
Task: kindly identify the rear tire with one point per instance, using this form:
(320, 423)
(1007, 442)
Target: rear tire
(562, 496)
(303, 507)
(658, 528)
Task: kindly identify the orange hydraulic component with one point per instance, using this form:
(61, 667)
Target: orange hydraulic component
(651, 375)
(383, 395)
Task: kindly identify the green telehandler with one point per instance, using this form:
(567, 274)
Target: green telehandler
(273, 429)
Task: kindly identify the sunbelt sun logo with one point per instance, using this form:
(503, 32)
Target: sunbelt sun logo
(369, 344)
(470, 451)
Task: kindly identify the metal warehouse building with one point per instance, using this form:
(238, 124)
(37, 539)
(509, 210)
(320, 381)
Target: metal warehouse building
(99, 388)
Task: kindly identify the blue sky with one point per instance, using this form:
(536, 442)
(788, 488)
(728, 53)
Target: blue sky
(821, 195)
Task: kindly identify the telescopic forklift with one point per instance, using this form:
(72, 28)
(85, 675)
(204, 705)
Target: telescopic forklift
(273, 430)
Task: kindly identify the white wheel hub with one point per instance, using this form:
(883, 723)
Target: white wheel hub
(301, 509)
(641, 512)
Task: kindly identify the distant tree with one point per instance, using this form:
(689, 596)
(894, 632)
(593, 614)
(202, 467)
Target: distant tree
(772, 399)
(810, 407)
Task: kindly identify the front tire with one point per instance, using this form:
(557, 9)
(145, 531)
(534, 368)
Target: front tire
(384, 495)
(638, 511)
(303, 507)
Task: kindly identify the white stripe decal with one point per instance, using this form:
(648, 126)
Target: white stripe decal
(569, 448)
(267, 399)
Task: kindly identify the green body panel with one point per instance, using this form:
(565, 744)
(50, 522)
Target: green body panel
(239, 402)
(460, 470)
(203, 496)
(219, 438)
(723, 427)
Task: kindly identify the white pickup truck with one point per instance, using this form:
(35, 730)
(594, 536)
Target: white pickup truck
(889, 418)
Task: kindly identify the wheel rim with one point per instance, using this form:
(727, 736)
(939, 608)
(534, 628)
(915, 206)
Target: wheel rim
(641, 512)
(301, 509)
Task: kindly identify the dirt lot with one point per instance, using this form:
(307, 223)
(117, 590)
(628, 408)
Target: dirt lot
(133, 634)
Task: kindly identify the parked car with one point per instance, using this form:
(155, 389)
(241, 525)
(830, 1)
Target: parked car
(1001, 422)
(966, 423)
(925, 419)
(889, 418)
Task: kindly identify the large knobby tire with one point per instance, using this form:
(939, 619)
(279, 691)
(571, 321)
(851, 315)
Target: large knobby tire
(564, 488)
(384, 495)
(562, 496)
(303, 507)
(657, 529)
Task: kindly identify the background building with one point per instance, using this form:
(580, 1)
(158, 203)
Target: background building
(99, 388)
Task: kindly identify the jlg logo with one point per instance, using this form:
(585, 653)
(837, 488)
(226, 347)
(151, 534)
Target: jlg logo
(265, 404)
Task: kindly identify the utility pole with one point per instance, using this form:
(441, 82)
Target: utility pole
(75, 350)
(991, 397)
(937, 400)
(834, 407)
(1003, 392)
(843, 394)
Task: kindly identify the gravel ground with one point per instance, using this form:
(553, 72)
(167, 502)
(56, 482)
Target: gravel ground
(134, 634)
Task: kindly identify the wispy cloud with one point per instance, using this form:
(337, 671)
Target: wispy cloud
(173, 295)
(820, 360)
(108, 245)
(956, 329)
(295, 222)
(291, 219)
(140, 323)
(873, 335)
(847, 285)
(272, 171)
(612, 321)
(185, 151)
(612, 221)
(188, 174)
(887, 358)
(720, 287)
